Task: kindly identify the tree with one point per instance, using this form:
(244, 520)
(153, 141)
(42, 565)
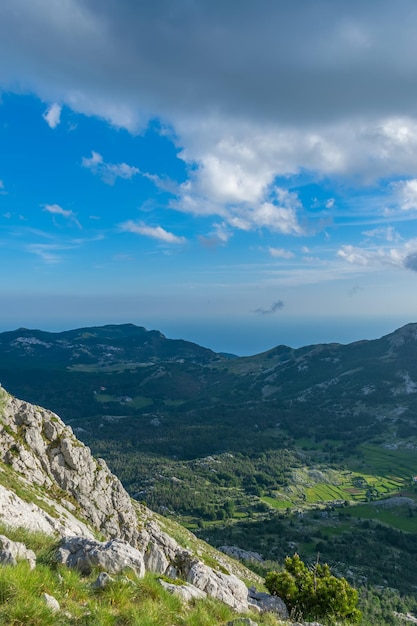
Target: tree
(313, 592)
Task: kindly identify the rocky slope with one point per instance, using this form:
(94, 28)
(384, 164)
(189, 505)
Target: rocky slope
(49, 481)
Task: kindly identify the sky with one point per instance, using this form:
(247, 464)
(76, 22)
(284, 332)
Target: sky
(240, 174)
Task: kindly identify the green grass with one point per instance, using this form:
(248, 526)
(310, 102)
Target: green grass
(393, 465)
(127, 601)
(276, 504)
(398, 517)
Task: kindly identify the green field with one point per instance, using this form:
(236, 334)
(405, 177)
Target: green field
(402, 517)
(374, 473)
(277, 504)
(391, 464)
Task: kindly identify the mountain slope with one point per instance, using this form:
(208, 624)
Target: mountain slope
(49, 481)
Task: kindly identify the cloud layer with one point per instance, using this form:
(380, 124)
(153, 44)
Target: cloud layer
(269, 90)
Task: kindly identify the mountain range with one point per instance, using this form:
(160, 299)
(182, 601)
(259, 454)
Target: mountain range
(238, 448)
(309, 450)
(354, 392)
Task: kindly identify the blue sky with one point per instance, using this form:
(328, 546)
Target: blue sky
(237, 174)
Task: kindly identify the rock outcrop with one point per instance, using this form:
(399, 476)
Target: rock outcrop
(38, 445)
(113, 556)
(18, 513)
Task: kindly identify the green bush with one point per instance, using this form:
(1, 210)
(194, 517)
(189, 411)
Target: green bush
(313, 592)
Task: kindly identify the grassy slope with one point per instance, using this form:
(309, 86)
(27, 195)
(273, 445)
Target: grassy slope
(127, 601)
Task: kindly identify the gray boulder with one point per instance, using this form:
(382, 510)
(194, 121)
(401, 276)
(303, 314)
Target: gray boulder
(112, 556)
(265, 603)
(13, 551)
(224, 587)
(155, 559)
(185, 592)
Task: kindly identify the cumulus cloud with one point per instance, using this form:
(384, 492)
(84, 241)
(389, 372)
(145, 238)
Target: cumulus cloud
(275, 306)
(156, 232)
(274, 209)
(108, 172)
(402, 255)
(405, 193)
(52, 115)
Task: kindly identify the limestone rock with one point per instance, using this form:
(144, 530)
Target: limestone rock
(16, 513)
(13, 551)
(102, 581)
(163, 555)
(37, 444)
(238, 553)
(155, 559)
(185, 592)
(51, 602)
(225, 587)
(112, 556)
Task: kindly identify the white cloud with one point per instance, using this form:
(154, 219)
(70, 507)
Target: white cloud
(156, 232)
(221, 232)
(52, 115)
(47, 252)
(388, 233)
(93, 162)
(219, 236)
(240, 191)
(108, 172)
(405, 193)
(374, 257)
(280, 253)
(56, 209)
(206, 72)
